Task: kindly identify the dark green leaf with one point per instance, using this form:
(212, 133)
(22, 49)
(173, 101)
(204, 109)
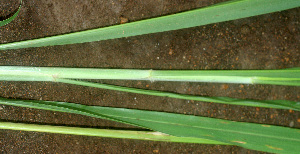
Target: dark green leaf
(11, 18)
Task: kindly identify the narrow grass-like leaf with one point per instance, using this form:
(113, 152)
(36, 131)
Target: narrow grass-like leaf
(290, 77)
(260, 137)
(19, 73)
(11, 18)
(124, 134)
(234, 9)
(279, 104)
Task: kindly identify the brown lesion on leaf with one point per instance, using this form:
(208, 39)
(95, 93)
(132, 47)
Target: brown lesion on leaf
(275, 148)
(265, 125)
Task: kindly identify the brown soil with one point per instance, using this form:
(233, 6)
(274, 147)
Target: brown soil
(264, 42)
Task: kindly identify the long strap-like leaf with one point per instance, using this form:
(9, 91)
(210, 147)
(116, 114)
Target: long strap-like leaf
(279, 104)
(234, 9)
(290, 77)
(124, 134)
(284, 76)
(252, 136)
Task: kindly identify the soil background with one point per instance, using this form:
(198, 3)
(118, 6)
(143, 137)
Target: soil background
(268, 41)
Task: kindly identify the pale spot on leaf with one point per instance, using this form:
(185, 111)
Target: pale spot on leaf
(239, 142)
(265, 125)
(223, 122)
(158, 134)
(275, 148)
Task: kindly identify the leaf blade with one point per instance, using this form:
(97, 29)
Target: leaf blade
(124, 134)
(231, 10)
(248, 135)
(290, 77)
(279, 104)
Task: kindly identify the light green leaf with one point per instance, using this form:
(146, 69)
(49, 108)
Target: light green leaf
(290, 77)
(55, 74)
(124, 134)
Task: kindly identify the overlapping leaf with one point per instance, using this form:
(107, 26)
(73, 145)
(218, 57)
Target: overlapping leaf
(248, 135)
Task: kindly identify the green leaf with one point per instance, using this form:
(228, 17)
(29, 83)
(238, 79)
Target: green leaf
(11, 18)
(290, 77)
(124, 134)
(231, 10)
(279, 104)
(260, 137)
(19, 73)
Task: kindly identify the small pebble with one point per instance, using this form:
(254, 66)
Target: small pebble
(123, 20)
(245, 29)
(170, 52)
